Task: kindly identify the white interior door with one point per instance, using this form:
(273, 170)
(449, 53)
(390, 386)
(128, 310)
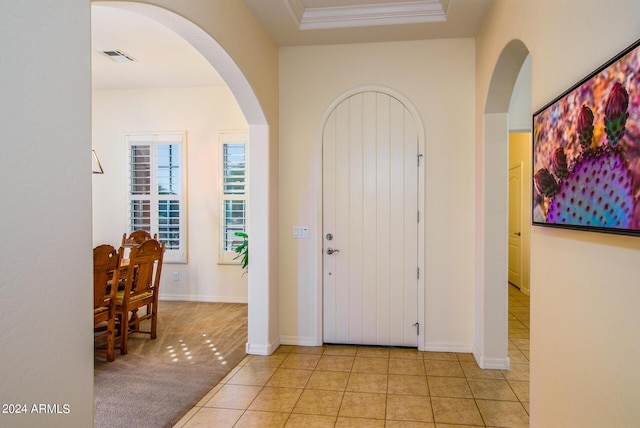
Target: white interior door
(515, 224)
(370, 222)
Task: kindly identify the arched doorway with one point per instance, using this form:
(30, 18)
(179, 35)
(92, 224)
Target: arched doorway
(261, 327)
(491, 299)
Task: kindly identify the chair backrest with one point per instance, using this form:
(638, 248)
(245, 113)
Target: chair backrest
(106, 270)
(136, 238)
(145, 267)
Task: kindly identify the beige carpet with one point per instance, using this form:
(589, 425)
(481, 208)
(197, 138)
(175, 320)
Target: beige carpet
(159, 380)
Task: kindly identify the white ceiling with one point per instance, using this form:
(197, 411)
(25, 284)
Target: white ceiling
(163, 59)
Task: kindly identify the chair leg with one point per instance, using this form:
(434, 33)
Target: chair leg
(124, 333)
(134, 321)
(154, 320)
(111, 339)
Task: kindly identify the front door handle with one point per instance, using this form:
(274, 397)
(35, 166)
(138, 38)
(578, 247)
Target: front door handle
(332, 250)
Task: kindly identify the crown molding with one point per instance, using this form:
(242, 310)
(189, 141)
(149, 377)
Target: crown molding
(409, 12)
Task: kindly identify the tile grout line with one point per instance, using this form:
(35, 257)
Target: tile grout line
(262, 387)
(344, 391)
(303, 388)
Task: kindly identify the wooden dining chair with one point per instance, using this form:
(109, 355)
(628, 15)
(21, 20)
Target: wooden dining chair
(136, 238)
(106, 270)
(141, 286)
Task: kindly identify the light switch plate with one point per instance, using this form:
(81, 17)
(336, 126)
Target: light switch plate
(300, 232)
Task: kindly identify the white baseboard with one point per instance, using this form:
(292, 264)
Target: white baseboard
(491, 363)
(449, 347)
(255, 349)
(299, 341)
(213, 299)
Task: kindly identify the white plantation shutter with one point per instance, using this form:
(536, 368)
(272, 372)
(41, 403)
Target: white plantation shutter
(233, 193)
(157, 191)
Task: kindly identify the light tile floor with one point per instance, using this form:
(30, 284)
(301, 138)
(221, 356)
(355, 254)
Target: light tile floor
(359, 386)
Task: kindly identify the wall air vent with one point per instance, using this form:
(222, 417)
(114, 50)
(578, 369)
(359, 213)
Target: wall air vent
(118, 56)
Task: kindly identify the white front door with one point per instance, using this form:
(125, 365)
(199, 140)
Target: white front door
(370, 222)
(515, 224)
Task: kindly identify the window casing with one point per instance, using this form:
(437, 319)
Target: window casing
(157, 190)
(233, 192)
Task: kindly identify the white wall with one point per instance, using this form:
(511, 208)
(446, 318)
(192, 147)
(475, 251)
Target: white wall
(437, 77)
(584, 316)
(203, 112)
(520, 106)
(45, 168)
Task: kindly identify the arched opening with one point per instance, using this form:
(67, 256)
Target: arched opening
(246, 104)
(220, 60)
(491, 341)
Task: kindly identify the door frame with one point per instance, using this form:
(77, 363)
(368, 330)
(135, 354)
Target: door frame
(518, 164)
(319, 321)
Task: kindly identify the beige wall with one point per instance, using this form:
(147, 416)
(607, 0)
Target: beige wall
(584, 317)
(45, 260)
(437, 78)
(203, 113)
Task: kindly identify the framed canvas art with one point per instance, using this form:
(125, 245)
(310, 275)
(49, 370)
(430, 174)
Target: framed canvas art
(586, 152)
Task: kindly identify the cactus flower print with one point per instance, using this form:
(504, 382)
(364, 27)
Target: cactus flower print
(597, 189)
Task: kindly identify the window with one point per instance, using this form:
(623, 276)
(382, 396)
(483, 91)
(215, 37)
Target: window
(157, 191)
(233, 193)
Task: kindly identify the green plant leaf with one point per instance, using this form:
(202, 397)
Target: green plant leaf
(242, 250)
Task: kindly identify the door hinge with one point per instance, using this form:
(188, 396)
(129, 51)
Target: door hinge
(419, 156)
(418, 273)
(418, 216)
(417, 326)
